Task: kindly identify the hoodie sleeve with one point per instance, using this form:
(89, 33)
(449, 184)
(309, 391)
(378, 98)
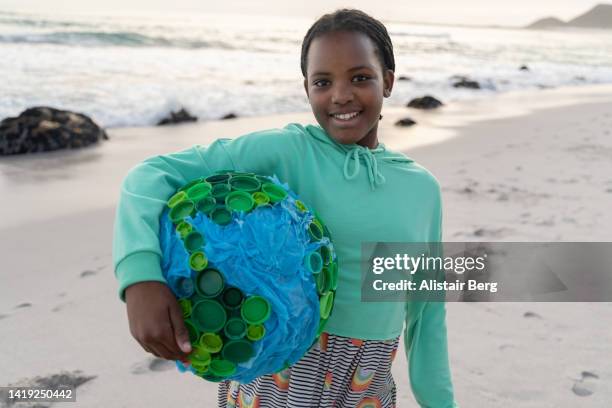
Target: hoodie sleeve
(148, 185)
(425, 339)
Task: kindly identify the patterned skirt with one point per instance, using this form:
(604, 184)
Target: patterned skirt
(337, 372)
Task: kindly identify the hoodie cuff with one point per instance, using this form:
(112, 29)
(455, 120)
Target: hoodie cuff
(138, 267)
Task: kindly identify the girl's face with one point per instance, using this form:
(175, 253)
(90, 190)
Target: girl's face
(345, 85)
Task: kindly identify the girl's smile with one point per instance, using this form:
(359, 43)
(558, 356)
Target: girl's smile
(346, 85)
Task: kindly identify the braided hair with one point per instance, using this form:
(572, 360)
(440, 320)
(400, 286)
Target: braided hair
(351, 20)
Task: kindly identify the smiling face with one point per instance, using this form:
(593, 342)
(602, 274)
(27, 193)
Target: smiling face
(346, 85)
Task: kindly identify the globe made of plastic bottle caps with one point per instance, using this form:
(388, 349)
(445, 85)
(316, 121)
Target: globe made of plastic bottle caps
(254, 271)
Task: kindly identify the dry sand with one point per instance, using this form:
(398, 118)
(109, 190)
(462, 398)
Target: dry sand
(530, 166)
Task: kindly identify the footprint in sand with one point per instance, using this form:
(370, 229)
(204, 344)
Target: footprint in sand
(23, 305)
(87, 273)
(61, 306)
(586, 385)
(152, 364)
(532, 315)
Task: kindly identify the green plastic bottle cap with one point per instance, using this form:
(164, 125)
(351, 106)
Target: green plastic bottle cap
(181, 210)
(261, 198)
(184, 228)
(200, 370)
(300, 206)
(191, 184)
(208, 316)
(255, 310)
(206, 205)
(256, 332)
(221, 216)
(239, 201)
(222, 368)
(194, 335)
(245, 183)
(198, 261)
(209, 283)
(326, 254)
(199, 356)
(318, 222)
(212, 378)
(274, 191)
(232, 298)
(328, 278)
(219, 191)
(194, 241)
(321, 280)
(333, 275)
(218, 178)
(235, 328)
(177, 198)
(315, 231)
(183, 285)
(211, 342)
(238, 351)
(185, 305)
(326, 303)
(313, 262)
(199, 191)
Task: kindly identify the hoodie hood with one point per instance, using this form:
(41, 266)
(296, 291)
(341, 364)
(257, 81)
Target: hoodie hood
(355, 155)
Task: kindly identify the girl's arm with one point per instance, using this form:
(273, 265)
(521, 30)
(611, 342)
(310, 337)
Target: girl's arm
(425, 339)
(154, 316)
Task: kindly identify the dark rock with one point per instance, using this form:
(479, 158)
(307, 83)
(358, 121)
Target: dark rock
(43, 129)
(229, 116)
(426, 102)
(405, 122)
(579, 78)
(524, 68)
(466, 83)
(404, 78)
(177, 117)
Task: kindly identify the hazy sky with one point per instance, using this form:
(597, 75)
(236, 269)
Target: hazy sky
(481, 12)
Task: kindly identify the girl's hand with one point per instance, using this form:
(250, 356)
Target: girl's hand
(156, 320)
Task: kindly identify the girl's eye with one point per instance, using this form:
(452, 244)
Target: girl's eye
(361, 77)
(321, 82)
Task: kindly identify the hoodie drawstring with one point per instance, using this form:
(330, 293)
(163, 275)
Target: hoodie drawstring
(374, 175)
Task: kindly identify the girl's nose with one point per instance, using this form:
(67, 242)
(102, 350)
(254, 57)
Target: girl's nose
(342, 94)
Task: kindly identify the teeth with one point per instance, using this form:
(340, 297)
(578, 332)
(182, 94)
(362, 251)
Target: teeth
(346, 116)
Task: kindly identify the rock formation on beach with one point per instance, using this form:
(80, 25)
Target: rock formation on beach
(425, 102)
(179, 116)
(43, 129)
(599, 16)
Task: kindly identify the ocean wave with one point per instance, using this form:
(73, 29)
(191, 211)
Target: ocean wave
(8, 19)
(419, 35)
(120, 38)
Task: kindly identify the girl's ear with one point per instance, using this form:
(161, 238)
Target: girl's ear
(388, 79)
(306, 86)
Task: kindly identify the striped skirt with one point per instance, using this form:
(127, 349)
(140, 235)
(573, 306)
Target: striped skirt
(337, 372)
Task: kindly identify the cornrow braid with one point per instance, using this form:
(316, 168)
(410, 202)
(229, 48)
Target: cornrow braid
(351, 20)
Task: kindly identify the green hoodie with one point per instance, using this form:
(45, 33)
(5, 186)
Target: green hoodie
(362, 195)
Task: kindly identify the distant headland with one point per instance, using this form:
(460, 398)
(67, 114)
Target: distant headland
(599, 16)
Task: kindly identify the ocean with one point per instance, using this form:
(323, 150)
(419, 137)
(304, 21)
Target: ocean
(131, 70)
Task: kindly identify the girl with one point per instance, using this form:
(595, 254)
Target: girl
(363, 191)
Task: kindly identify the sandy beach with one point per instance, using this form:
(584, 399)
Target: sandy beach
(522, 166)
